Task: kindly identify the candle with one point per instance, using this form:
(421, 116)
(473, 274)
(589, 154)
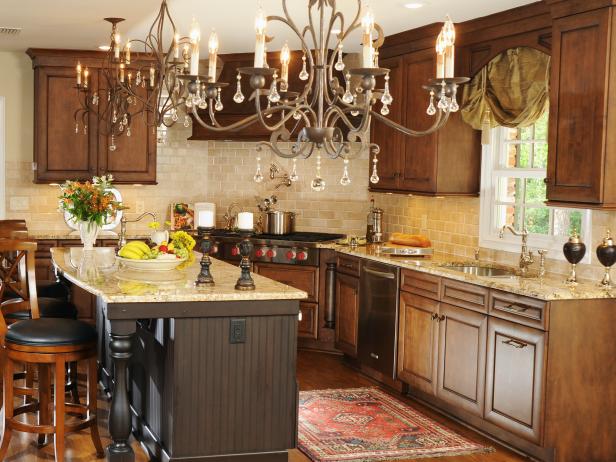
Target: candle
(127, 52)
(449, 61)
(185, 56)
(195, 38)
(116, 46)
(86, 73)
(245, 221)
(78, 74)
(449, 39)
(176, 47)
(285, 58)
(122, 66)
(213, 47)
(440, 56)
(130, 78)
(367, 23)
(260, 25)
(152, 76)
(205, 219)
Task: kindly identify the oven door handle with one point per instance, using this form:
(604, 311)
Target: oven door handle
(380, 274)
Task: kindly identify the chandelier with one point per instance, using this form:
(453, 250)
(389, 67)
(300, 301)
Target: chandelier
(330, 116)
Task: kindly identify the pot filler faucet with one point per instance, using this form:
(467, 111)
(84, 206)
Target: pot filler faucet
(124, 220)
(526, 257)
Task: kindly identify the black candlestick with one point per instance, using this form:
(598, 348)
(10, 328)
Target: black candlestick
(245, 282)
(205, 277)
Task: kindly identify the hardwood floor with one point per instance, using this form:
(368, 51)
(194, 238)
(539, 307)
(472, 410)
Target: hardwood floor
(315, 371)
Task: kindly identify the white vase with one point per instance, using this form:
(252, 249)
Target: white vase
(88, 231)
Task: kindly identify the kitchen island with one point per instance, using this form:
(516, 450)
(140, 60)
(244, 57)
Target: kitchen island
(196, 373)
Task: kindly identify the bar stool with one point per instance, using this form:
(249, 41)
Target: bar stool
(49, 343)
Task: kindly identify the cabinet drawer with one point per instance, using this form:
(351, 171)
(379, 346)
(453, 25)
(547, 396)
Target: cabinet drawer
(43, 248)
(524, 310)
(307, 327)
(301, 277)
(423, 284)
(465, 295)
(348, 265)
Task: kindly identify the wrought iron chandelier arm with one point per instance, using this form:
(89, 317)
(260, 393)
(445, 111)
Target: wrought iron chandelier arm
(292, 110)
(440, 121)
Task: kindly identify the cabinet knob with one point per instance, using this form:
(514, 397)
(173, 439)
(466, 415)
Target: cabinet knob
(434, 316)
(546, 180)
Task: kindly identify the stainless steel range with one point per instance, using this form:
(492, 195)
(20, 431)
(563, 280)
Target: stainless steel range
(300, 248)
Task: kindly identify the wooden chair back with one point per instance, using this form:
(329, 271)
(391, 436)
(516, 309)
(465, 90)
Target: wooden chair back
(22, 263)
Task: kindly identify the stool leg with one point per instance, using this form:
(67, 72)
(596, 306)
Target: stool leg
(59, 412)
(44, 393)
(29, 382)
(72, 380)
(92, 406)
(8, 406)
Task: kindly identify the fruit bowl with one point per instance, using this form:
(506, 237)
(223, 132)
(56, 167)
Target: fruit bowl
(158, 264)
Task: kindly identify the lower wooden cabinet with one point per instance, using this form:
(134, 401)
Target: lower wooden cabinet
(462, 357)
(515, 378)
(347, 313)
(308, 324)
(418, 342)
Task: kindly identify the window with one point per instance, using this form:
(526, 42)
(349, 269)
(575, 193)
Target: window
(513, 192)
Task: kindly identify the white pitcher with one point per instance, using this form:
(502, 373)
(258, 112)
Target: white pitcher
(158, 237)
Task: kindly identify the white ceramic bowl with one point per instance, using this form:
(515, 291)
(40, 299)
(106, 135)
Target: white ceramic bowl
(151, 265)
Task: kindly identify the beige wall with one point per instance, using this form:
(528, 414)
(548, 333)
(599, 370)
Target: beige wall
(222, 172)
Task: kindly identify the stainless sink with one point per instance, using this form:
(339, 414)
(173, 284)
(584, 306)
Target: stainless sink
(480, 270)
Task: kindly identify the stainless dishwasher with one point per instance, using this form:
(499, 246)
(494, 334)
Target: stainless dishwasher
(378, 316)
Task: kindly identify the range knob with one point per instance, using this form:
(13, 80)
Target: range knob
(302, 255)
(235, 251)
(271, 253)
(291, 254)
(214, 250)
(259, 253)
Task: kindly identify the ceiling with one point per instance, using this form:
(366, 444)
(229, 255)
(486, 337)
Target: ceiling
(75, 24)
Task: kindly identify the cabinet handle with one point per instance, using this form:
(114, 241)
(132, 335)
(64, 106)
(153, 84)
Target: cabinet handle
(515, 343)
(434, 316)
(518, 308)
(374, 355)
(442, 318)
(380, 274)
(546, 180)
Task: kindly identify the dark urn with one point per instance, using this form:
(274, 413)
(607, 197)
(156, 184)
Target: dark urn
(574, 250)
(606, 254)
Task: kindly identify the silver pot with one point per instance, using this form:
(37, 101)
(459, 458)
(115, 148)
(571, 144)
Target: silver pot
(278, 223)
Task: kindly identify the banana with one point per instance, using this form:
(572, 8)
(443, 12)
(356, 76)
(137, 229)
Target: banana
(138, 245)
(130, 253)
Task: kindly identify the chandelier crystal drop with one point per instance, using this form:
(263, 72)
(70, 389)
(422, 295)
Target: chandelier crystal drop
(313, 117)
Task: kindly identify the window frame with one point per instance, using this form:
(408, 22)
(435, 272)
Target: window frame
(488, 233)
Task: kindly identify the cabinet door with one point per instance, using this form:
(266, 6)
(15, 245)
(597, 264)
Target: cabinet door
(389, 140)
(462, 357)
(308, 324)
(419, 161)
(59, 152)
(418, 342)
(577, 107)
(347, 313)
(515, 377)
(134, 160)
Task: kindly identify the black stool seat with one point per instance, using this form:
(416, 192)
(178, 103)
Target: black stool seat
(50, 332)
(47, 289)
(48, 308)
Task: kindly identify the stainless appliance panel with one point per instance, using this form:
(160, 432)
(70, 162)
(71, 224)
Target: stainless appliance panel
(378, 316)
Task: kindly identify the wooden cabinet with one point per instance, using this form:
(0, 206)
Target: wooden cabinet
(59, 152)
(418, 342)
(582, 148)
(444, 163)
(515, 378)
(347, 313)
(462, 358)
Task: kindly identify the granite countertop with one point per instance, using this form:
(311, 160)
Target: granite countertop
(98, 272)
(550, 287)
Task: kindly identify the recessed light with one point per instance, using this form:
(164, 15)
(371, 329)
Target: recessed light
(413, 5)
(104, 47)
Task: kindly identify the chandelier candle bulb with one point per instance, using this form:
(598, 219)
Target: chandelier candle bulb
(285, 58)
(213, 48)
(86, 73)
(449, 61)
(260, 25)
(127, 52)
(78, 74)
(195, 39)
(122, 67)
(116, 47)
(245, 221)
(152, 77)
(367, 23)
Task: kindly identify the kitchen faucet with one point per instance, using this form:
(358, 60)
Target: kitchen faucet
(526, 257)
(124, 220)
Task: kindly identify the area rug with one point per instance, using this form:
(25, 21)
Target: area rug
(366, 424)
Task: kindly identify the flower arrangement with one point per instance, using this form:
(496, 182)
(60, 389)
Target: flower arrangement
(90, 201)
(155, 225)
(183, 244)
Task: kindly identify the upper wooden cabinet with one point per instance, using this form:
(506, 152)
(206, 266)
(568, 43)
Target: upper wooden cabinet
(444, 163)
(582, 149)
(60, 153)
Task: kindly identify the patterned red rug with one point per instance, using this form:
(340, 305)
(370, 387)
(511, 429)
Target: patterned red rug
(365, 424)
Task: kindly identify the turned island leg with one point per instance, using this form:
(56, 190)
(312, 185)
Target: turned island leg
(121, 349)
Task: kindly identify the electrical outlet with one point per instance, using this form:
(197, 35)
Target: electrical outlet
(237, 331)
(19, 203)
(139, 207)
